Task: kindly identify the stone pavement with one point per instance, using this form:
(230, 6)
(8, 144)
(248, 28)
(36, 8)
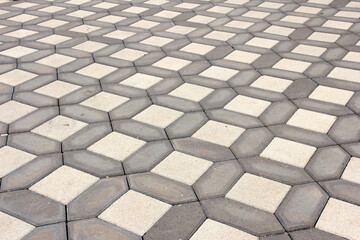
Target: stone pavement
(171, 119)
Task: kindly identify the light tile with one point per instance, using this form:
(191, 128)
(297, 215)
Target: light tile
(352, 57)
(256, 14)
(23, 18)
(12, 228)
(51, 9)
(84, 29)
(56, 60)
(158, 116)
(77, 2)
(80, 14)
(312, 121)
(340, 218)
(211, 229)
(20, 33)
(345, 74)
(12, 158)
(135, 212)
(145, 24)
(142, 81)
(182, 167)
(218, 35)
(332, 95)
(167, 14)
(12, 111)
(64, 184)
(59, 128)
(111, 19)
(352, 171)
(18, 52)
(309, 10)
(16, 77)
(237, 2)
(191, 92)
(309, 50)
(96, 70)
(172, 63)
(54, 39)
(116, 146)
(353, 5)
(105, 5)
(324, 37)
(57, 89)
(187, 5)
(197, 48)
(219, 9)
(201, 19)
(219, 133)
(348, 14)
(104, 101)
(219, 73)
(118, 34)
(135, 10)
(337, 24)
(247, 105)
(258, 192)
(262, 42)
(128, 54)
(180, 29)
(242, 56)
(272, 83)
(156, 2)
(324, 2)
(239, 24)
(283, 31)
(24, 5)
(90, 46)
(289, 152)
(157, 41)
(271, 5)
(292, 65)
(295, 19)
(52, 23)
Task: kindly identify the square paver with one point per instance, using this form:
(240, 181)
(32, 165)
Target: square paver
(272, 83)
(256, 14)
(116, 146)
(340, 218)
(352, 171)
(310, 10)
(352, 57)
(20, 33)
(145, 24)
(157, 41)
(247, 105)
(219, 73)
(214, 230)
(262, 42)
(140, 80)
(292, 65)
(158, 116)
(54, 39)
(219, 35)
(90, 46)
(12, 158)
(18, 51)
(59, 128)
(310, 120)
(191, 92)
(23, 18)
(80, 14)
(135, 10)
(52, 23)
(201, 19)
(220, 9)
(337, 24)
(239, 24)
(13, 228)
(16, 77)
(56, 60)
(105, 5)
(258, 192)
(309, 50)
(96, 70)
(182, 167)
(111, 19)
(128, 54)
(283, 31)
(295, 19)
(51, 9)
(180, 29)
(346, 74)
(172, 63)
(57, 89)
(197, 48)
(167, 14)
(219, 133)
(332, 95)
(135, 212)
(289, 152)
(242, 56)
(12, 111)
(104, 101)
(84, 29)
(64, 184)
(324, 37)
(118, 34)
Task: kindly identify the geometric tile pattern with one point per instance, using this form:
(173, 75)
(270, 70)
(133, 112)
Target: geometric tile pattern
(165, 119)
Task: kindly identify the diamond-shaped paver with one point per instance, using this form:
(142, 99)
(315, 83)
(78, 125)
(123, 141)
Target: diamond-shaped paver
(57, 89)
(96, 70)
(56, 60)
(12, 158)
(18, 52)
(104, 101)
(16, 77)
(13, 228)
(191, 92)
(140, 80)
(247, 105)
(12, 111)
(158, 116)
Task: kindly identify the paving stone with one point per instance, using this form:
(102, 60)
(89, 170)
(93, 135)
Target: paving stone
(314, 234)
(95, 228)
(242, 216)
(96, 198)
(346, 129)
(82, 113)
(341, 189)
(187, 125)
(26, 175)
(353, 149)
(276, 237)
(234, 118)
(328, 163)
(53, 231)
(329, 108)
(163, 188)
(218, 98)
(218, 179)
(32, 207)
(302, 206)
(178, 223)
(277, 113)
(202, 149)
(300, 88)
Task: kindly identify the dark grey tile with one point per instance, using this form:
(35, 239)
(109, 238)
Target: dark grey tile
(314, 234)
(53, 232)
(344, 190)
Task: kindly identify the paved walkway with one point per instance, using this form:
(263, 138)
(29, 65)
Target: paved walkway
(170, 119)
